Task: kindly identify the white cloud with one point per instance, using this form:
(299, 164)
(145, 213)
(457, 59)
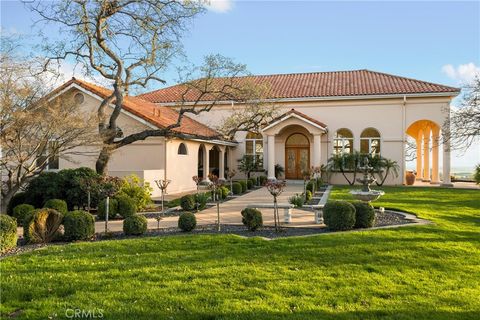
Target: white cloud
(220, 6)
(462, 73)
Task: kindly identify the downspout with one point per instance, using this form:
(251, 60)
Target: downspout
(404, 119)
(165, 158)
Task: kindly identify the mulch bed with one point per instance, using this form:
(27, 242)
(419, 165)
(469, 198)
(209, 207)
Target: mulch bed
(387, 218)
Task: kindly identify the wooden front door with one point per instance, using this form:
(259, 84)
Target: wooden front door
(297, 160)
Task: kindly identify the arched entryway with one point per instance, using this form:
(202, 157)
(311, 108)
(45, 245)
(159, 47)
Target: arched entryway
(297, 155)
(201, 161)
(214, 165)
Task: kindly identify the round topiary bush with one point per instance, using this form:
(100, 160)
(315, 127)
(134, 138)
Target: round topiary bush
(57, 204)
(243, 183)
(339, 215)
(21, 211)
(364, 215)
(112, 209)
(8, 233)
(125, 206)
(308, 195)
(187, 221)
(135, 225)
(252, 218)
(250, 184)
(78, 225)
(187, 202)
(18, 198)
(236, 188)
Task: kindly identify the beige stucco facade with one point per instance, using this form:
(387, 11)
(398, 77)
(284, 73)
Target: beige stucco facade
(394, 117)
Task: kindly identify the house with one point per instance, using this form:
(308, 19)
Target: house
(320, 114)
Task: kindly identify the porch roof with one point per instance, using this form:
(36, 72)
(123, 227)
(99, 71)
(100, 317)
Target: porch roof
(296, 114)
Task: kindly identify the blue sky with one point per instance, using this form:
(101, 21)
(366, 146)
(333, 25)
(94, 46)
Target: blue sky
(432, 41)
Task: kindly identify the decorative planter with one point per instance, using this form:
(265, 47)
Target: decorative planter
(410, 178)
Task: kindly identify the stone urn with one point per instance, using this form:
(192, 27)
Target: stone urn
(410, 178)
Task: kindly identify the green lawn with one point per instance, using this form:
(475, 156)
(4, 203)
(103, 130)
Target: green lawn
(419, 272)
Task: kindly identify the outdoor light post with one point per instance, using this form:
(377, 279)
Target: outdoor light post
(162, 184)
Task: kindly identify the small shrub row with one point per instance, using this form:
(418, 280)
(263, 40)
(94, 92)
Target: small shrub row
(296, 200)
(343, 215)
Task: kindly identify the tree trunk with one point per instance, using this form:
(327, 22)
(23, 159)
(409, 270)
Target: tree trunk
(6, 199)
(102, 161)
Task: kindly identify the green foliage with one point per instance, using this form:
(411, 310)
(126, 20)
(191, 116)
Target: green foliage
(57, 204)
(45, 186)
(43, 226)
(243, 183)
(8, 233)
(18, 198)
(263, 180)
(247, 165)
(187, 221)
(308, 195)
(187, 202)
(252, 218)
(75, 186)
(102, 209)
(21, 211)
(236, 188)
(364, 214)
(78, 225)
(279, 171)
(339, 215)
(125, 205)
(250, 184)
(476, 175)
(297, 200)
(223, 192)
(310, 185)
(137, 189)
(135, 225)
(201, 200)
(319, 183)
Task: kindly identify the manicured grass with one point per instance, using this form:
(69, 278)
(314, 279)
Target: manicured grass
(418, 272)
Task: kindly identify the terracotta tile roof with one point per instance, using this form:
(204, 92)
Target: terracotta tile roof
(318, 84)
(157, 115)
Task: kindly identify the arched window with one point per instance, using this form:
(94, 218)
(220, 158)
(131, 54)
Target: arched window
(254, 147)
(182, 148)
(370, 142)
(343, 141)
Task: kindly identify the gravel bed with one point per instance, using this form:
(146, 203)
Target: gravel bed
(389, 218)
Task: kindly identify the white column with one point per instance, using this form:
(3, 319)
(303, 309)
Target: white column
(419, 156)
(426, 154)
(206, 164)
(221, 164)
(271, 157)
(317, 147)
(446, 164)
(435, 140)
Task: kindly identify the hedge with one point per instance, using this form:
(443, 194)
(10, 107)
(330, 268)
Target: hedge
(8, 233)
(79, 225)
(364, 214)
(339, 215)
(57, 204)
(237, 188)
(135, 225)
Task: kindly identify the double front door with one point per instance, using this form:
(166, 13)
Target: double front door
(297, 159)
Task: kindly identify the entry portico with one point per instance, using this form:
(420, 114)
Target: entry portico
(296, 138)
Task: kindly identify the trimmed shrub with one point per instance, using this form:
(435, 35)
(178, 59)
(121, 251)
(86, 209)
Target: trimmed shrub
(135, 225)
(187, 221)
(138, 190)
(223, 192)
(43, 226)
(296, 200)
(18, 198)
(45, 186)
(187, 202)
(243, 183)
(102, 209)
(78, 225)
(251, 183)
(8, 233)
(201, 200)
(237, 188)
(252, 218)
(364, 214)
(263, 180)
(75, 185)
(339, 215)
(125, 206)
(57, 204)
(308, 195)
(21, 211)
